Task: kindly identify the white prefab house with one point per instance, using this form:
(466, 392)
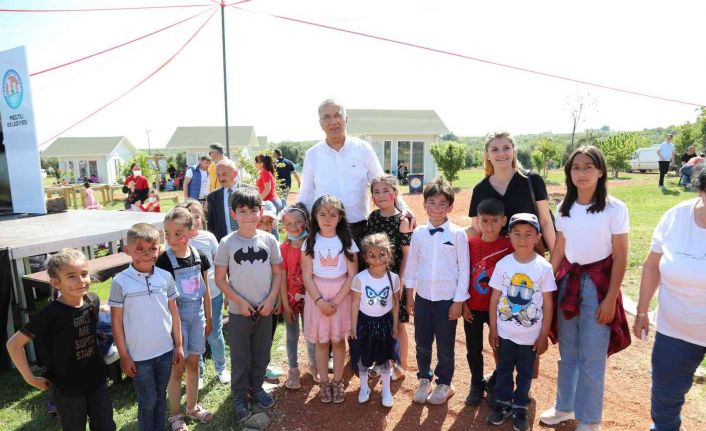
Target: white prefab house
(84, 157)
(399, 135)
(195, 140)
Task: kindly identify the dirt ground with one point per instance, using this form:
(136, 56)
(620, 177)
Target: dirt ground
(627, 394)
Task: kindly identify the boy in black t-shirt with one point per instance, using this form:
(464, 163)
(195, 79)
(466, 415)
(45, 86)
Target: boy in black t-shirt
(66, 334)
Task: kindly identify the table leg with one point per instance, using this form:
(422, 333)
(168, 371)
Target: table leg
(18, 273)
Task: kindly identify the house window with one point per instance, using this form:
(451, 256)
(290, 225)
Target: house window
(412, 154)
(387, 156)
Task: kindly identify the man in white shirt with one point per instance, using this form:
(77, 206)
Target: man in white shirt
(665, 154)
(342, 166)
(196, 180)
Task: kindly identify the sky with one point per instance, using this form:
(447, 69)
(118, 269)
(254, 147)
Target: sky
(280, 70)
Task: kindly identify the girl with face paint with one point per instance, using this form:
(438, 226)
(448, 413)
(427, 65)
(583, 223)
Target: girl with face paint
(388, 219)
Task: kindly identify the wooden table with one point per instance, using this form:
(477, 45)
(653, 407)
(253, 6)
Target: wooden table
(82, 229)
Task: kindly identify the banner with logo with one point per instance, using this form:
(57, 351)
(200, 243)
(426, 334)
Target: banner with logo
(19, 133)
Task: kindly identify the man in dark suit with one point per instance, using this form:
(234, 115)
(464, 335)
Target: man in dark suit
(220, 219)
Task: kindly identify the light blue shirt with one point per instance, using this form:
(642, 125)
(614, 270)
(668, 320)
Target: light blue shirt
(665, 151)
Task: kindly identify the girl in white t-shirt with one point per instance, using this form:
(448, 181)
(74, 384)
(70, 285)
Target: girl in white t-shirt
(374, 316)
(589, 259)
(329, 264)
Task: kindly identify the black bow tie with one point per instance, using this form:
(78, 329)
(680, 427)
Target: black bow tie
(435, 230)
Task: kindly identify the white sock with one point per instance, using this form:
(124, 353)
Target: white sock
(385, 375)
(363, 376)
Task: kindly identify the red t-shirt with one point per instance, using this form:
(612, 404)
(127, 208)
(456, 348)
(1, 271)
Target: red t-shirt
(484, 256)
(295, 284)
(140, 182)
(264, 178)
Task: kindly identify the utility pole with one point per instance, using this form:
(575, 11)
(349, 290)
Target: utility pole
(149, 147)
(225, 79)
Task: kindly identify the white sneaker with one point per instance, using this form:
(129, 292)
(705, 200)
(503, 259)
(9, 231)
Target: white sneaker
(588, 427)
(387, 399)
(201, 383)
(363, 395)
(224, 377)
(441, 394)
(553, 416)
(420, 396)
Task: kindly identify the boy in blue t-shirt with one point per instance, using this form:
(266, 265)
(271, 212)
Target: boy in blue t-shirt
(522, 316)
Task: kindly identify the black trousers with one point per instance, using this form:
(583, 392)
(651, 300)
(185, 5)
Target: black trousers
(474, 346)
(663, 169)
(74, 410)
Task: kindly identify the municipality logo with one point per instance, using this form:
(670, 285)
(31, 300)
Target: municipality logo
(12, 89)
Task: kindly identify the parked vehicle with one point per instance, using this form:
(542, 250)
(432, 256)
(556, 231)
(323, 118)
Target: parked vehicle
(645, 159)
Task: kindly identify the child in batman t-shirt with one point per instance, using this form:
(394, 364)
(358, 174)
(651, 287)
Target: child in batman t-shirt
(248, 272)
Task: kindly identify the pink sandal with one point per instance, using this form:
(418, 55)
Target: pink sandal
(177, 422)
(199, 414)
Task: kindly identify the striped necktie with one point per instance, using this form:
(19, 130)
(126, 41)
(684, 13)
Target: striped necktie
(233, 222)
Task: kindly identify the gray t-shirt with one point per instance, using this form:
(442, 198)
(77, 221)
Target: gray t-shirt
(147, 320)
(249, 262)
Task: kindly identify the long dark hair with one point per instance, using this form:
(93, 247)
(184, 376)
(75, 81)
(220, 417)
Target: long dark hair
(600, 196)
(343, 231)
(266, 161)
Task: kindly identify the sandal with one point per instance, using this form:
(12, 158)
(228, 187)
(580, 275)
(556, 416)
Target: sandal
(338, 392)
(177, 422)
(199, 414)
(397, 373)
(325, 392)
(292, 381)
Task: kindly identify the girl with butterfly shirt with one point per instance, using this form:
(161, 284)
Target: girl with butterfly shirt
(389, 220)
(375, 316)
(329, 265)
(295, 219)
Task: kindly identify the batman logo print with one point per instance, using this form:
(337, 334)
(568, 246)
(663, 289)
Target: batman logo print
(250, 255)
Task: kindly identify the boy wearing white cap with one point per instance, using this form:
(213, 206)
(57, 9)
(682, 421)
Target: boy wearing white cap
(521, 308)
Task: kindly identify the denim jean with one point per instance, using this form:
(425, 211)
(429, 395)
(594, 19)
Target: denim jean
(511, 357)
(150, 383)
(73, 410)
(216, 340)
(583, 349)
(431, 321)
(293, 342)
(674, 362)
(685, 171)
(474, 346)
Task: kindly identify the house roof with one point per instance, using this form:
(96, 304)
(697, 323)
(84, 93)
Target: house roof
(394, 122)
(190, 137)
(262, 142)
(94, 146)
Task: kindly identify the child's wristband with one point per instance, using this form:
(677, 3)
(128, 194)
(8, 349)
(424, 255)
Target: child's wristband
(318, 299)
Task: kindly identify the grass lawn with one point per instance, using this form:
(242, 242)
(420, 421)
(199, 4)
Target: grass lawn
(25, 408)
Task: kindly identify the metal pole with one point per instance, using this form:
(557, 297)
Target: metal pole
(225, 80)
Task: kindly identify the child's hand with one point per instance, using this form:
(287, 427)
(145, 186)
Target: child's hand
(266, 308)
(40, 383)
(493, 339)
(455, 310)
(405, 225)
(178, 356)
(278, 308)
(395, 330)
(327, 308)
(467, 314)
(288, 313)
(353, 333)
(244, 308)
(541, 345)
(225, 302)
(605, 312)
(209, 327)
(128, 366)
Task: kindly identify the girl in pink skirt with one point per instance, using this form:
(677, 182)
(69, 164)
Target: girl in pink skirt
(329, 265)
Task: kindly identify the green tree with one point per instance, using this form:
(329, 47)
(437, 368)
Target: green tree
(545, 151)
(618, 150)
(450, 158)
